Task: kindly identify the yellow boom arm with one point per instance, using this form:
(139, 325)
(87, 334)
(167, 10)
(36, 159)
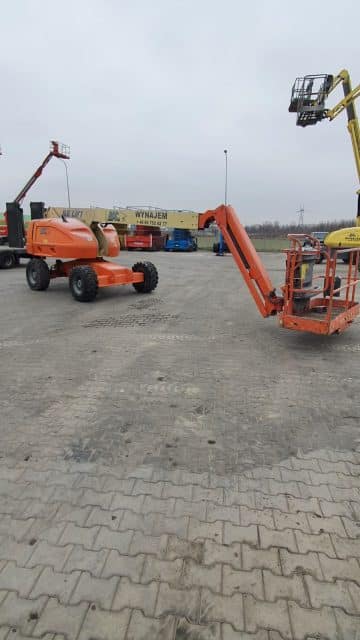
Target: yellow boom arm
(308, 100)
(348, 103)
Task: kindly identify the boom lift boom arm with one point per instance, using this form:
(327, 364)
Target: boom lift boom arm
(308, 101)
(246, 258)
(56, 150)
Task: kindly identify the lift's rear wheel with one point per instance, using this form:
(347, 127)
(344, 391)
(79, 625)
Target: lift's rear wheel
(37, 274)
(83, 283)
(151, 277)
(7, 260)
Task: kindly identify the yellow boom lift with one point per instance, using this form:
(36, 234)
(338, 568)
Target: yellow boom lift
(308, 100)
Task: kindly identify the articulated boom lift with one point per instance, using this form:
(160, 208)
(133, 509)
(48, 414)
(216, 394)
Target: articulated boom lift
(308, 98)
(325, 309)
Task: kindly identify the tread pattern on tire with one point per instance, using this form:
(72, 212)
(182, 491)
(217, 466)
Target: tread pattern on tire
(151, 277)
(39, 268)
(5, 262)
(89, 278)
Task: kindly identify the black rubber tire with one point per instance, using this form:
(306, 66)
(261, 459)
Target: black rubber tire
(151, 277)
(37, 274)
(7, 260)
(83, 283)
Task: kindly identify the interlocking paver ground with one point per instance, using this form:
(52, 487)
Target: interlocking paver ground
(122, 519)
(114, 580)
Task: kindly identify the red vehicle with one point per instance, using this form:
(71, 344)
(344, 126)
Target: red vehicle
(145, 238)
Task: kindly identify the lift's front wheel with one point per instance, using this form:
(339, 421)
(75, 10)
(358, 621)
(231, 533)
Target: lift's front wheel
(83, 283)
(151, 277)
(37, 274)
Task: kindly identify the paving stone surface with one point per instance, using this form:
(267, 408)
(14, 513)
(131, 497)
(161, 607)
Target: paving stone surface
(173, 467)
(138, 559)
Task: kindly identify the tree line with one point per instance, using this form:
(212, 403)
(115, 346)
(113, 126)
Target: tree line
(277, 230)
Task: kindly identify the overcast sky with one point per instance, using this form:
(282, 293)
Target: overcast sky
(148, 94)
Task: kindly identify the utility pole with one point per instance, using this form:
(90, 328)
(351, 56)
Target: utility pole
(221, 239)
(67, 182)
(226, 175)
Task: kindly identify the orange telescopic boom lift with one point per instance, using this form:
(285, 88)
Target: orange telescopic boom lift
(318, 304)
(80, 253)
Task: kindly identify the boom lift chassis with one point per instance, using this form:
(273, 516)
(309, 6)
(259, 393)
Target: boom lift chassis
(325, 309)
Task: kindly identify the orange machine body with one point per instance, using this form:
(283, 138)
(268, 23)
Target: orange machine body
(109, 274)
(72, 243)
(58, 238)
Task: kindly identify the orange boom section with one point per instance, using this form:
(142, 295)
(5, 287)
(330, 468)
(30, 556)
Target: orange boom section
(246, 258)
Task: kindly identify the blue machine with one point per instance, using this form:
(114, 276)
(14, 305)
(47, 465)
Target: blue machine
(181, 240)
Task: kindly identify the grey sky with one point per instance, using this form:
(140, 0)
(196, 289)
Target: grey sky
(149, 93)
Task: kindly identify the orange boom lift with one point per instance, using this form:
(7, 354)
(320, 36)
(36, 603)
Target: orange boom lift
(318, 304)
(79, 251)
